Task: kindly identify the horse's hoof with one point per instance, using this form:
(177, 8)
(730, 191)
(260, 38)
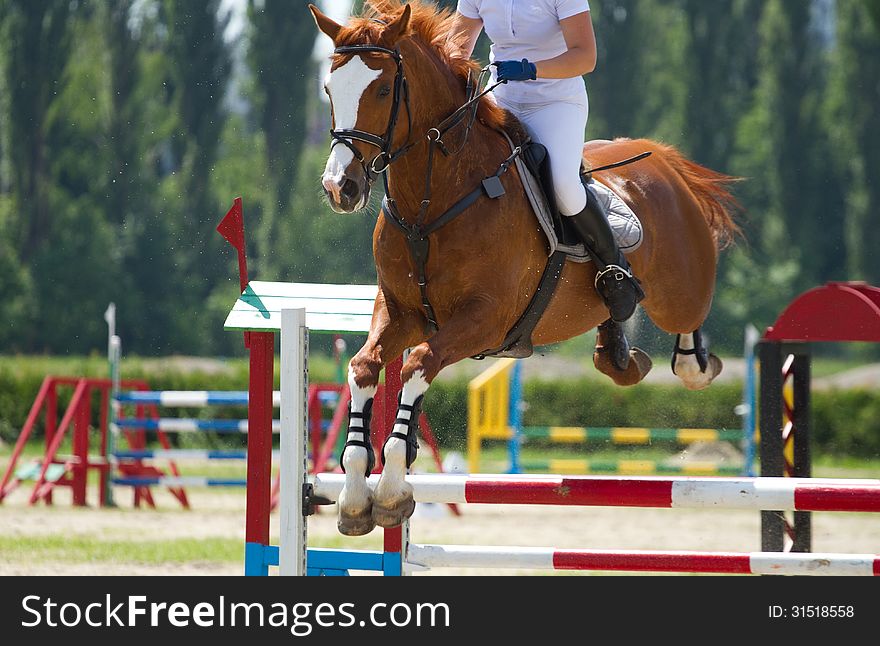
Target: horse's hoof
(359, 524)
(702, 380)
(393, 515)
(640, 365)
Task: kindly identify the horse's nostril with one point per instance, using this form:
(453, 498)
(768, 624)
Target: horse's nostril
(350, 189)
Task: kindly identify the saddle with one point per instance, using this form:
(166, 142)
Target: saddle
(537, 180)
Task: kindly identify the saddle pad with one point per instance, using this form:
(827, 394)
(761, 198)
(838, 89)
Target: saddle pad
(625, 224)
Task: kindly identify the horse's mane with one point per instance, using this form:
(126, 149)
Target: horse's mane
(431, 25)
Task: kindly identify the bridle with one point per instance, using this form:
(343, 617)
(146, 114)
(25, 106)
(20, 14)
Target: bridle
(381, 162)
(345, 136)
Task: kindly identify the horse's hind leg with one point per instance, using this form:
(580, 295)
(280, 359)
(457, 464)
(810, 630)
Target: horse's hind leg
(614, 357)
(693, 363)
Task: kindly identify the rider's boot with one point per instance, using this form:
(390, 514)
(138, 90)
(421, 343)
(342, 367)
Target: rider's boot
(615, 282)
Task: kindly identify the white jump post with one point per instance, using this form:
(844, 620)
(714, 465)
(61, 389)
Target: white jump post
(294, 395)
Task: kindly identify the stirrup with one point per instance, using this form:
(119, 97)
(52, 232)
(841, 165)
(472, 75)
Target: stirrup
(619, 274)
(613, 282)
(366, 417)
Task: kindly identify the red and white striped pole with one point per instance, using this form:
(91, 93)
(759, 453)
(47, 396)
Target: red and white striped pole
(543, 558)
(780, 494)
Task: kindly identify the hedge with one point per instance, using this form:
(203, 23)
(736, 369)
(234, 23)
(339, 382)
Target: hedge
(845, 423)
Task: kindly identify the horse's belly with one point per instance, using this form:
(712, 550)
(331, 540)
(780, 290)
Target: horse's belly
(576, 308)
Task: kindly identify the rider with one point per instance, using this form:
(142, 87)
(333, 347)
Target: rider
(546, 46)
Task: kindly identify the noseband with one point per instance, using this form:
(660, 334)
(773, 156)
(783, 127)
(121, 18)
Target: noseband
(380, 163)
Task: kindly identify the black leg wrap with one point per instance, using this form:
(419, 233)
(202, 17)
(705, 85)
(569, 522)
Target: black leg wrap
(411, 437)
(616, 344)
(699, 350)
(366, 417)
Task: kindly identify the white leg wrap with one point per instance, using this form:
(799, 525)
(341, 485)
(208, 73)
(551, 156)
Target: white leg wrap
(355, 497)
(392, 485)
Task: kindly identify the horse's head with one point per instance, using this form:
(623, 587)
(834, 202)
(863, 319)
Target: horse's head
(367, 91)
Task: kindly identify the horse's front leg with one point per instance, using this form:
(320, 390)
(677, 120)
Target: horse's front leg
(460, 337)
(391, 333)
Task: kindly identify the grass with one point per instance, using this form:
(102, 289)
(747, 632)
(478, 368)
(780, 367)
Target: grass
(87, 549)
(90, 549)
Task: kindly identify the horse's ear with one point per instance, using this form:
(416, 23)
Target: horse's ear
(325, 24)
(398, 27)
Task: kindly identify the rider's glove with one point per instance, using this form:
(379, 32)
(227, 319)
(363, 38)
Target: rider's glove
(516, 70)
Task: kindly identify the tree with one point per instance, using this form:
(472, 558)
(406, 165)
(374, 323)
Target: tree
(199, 68)
(718, 74)
(38, 49)
(137, 125)
(281, 42)
(783, 148)
(854, 122)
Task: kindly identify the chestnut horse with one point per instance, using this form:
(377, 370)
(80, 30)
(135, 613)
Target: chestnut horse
(393, 81)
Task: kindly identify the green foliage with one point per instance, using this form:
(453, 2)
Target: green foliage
(282, 33)
(847, 422)
(854, 124)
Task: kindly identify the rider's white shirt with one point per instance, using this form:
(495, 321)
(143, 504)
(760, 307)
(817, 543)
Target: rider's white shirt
(529, 29)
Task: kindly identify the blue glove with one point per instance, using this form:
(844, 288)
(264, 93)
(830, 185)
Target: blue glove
(516, 70)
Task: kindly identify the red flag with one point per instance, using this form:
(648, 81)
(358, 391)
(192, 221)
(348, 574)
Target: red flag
(232, 226)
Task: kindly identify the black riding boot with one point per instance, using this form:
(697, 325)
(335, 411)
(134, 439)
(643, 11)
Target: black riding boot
(615, 282)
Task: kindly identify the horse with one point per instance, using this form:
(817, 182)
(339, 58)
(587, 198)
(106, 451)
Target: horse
(452, 287)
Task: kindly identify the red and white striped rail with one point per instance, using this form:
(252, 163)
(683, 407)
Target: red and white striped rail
(541, 558)
(774, 494)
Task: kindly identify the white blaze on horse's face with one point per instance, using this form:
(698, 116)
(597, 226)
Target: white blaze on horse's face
(345, 85)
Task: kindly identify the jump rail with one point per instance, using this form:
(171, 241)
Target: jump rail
(189, 425)
(755, 494)
(190, 398)
(541, 558)
(179, 481)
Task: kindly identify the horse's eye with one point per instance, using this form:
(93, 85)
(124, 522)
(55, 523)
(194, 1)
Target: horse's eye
(385, 90)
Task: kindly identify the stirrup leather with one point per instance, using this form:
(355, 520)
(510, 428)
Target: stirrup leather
(364, 418)
(411, 437)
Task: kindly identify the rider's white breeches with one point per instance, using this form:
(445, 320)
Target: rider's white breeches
(560, 126)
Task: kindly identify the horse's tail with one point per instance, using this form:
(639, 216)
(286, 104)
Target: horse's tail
(712, 191)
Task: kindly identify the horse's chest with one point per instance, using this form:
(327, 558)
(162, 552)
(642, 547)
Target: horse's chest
(399, 273)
